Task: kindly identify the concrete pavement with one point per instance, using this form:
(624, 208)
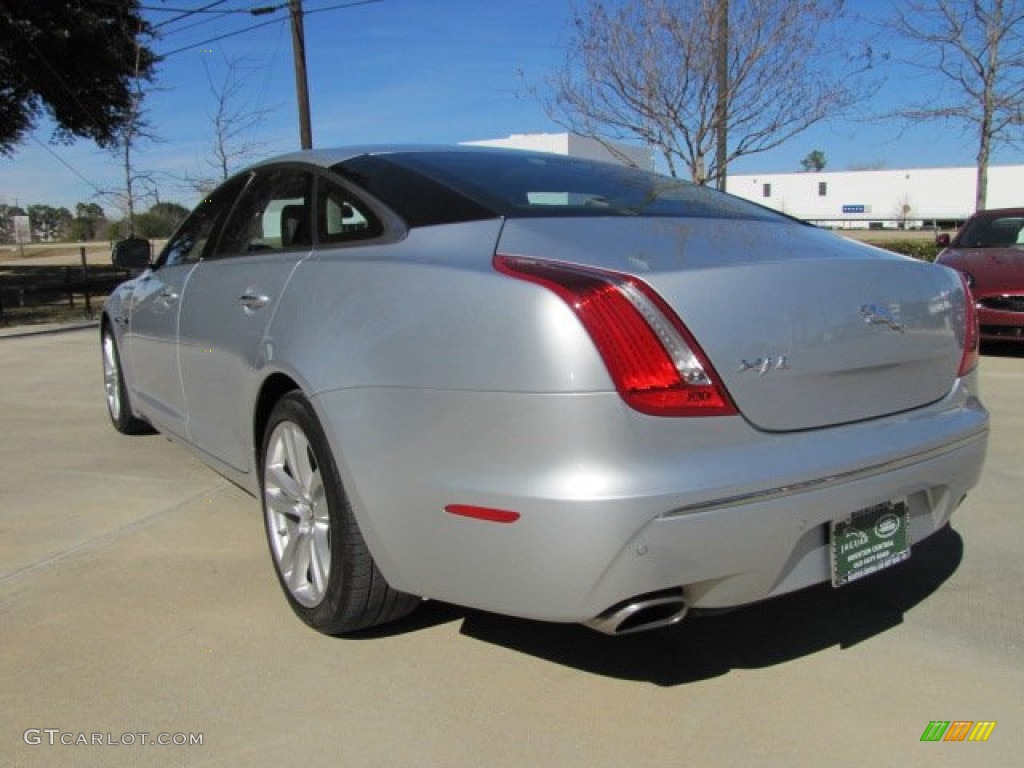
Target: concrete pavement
(137, 601)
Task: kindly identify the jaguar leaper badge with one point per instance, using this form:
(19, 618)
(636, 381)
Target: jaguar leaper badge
(764, 364)
(890, 316)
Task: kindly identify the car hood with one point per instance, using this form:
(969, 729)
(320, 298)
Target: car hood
(995, 270)
(805, 329)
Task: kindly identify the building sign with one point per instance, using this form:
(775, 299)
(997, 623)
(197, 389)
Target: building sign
(22, 230)
(855, 209)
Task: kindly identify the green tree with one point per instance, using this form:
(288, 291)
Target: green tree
(88, 217)
(73, 60)
(159, 221)
(7, 214)
(170, 215)
(815, 161)
(49, 223)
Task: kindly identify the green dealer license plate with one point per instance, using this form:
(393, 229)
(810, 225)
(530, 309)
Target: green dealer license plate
(868, 541)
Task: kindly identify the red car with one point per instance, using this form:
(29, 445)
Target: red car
(989, 249)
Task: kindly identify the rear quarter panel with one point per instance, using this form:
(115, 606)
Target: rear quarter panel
(429, 312)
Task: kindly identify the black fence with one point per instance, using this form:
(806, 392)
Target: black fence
(31, 293)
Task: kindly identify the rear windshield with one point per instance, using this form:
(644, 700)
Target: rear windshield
(524, 184)
(992, 232)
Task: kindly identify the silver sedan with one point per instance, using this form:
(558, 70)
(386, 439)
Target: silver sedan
(547, 387)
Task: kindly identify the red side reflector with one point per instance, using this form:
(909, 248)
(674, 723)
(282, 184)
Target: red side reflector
(482, 513)
(972, 336)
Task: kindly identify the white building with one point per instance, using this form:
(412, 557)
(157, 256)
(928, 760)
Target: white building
(912, 197)
(574, 146)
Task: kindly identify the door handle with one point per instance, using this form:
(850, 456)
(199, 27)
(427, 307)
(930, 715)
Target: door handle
(253, 301)
(169, 297)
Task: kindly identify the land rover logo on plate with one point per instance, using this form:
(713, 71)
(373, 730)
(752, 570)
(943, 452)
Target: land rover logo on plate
(887, 526)
(868, 541)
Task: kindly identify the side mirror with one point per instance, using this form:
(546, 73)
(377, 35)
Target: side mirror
(942, 240)
(133, 253)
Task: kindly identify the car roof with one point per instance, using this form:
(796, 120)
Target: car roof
(994, 213)
(327, 157)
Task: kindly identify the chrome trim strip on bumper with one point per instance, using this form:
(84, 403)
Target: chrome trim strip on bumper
(824, 482)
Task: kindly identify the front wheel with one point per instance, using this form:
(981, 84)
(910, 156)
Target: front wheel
(325, 569)
(118, 404)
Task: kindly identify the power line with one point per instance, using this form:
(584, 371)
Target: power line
(186, 14)
(263, 10)
(205, 17)
(164, 34)
(193, 11)
(221, 37)
(96, 189)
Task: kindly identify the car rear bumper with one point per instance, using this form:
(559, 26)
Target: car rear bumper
(778, 540)
(612, 504)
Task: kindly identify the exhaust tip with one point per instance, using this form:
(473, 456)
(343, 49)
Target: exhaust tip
(642, 613)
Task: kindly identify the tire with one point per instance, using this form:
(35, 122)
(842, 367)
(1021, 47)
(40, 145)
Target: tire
(325, 569)
(118, 405)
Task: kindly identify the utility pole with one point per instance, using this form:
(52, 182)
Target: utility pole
(722, 103)
(301, 83)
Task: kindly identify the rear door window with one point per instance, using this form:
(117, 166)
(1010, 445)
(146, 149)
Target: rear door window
(275, 213)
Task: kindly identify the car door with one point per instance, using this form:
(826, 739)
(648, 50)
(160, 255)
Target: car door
(229, 303)
(154, 309)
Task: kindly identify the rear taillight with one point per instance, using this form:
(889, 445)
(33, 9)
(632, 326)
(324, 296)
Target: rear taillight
(969, 359)
(656, 365)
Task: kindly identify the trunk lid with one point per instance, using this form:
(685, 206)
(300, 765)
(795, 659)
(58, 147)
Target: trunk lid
(805, 329)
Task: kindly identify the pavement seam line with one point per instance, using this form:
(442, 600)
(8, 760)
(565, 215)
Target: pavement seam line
(114, 533)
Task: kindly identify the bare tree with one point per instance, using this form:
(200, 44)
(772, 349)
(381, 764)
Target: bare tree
(133, 129)
(978, 48)
(902, 209)
(651, 70)
(233, 119)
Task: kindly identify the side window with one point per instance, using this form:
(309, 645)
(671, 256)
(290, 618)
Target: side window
(189, 241)
(273, 214)
(342, 217)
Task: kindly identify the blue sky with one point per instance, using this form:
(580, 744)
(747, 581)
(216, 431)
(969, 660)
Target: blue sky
(404, 71)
